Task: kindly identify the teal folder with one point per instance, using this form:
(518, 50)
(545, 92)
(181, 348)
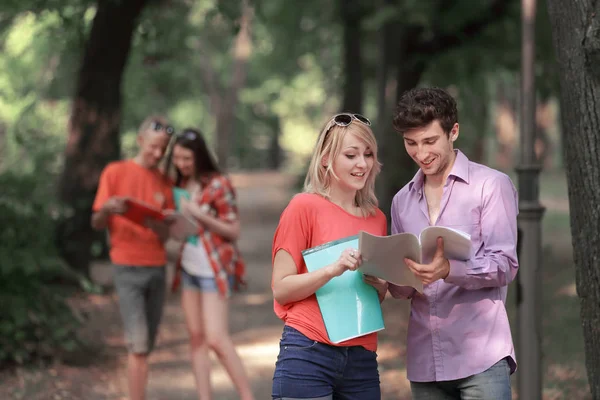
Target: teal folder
(178, 194)
(350, 307)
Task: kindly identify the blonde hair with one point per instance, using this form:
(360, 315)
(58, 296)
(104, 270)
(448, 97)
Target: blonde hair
(329, 146)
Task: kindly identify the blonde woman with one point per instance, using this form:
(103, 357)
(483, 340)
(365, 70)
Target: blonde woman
(338, 201)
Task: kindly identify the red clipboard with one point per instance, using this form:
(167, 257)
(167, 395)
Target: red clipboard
(138, 212)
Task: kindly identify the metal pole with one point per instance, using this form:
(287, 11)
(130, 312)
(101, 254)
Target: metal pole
(529, 375)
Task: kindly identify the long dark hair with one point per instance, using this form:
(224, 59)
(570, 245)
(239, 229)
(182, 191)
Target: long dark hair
(205, 164)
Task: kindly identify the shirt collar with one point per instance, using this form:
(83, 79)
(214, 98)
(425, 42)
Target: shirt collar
(417, 181)
(460, 170)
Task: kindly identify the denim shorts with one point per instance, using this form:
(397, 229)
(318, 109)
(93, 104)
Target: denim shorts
(141, 292)
(201, 284)
(307, 369)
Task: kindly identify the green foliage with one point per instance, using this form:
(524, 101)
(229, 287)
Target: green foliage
(35, 321)
(175, 45)
(294, 72)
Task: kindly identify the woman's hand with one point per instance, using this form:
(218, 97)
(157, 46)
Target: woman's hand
(379, 284)
(349, 260)
(228, 229)
(191, 208)
(185, 205)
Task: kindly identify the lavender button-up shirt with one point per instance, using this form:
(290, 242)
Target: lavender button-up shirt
(459, 326)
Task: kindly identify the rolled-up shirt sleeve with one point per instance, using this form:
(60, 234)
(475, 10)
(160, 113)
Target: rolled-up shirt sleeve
(495, 264)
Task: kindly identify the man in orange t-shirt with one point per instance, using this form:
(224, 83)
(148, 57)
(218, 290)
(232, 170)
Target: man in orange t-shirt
(137, 251)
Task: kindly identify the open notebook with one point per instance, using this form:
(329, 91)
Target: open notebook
(383, 256)
(178, 194)
(180, 226)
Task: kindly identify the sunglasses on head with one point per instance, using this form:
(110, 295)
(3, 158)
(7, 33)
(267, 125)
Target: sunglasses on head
(188, 135)
(157, 127)
(345, 119)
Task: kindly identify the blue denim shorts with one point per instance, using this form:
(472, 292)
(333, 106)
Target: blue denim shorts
(307, 369)
(201, 284)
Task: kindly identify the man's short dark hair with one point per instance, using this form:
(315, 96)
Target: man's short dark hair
(419, 107)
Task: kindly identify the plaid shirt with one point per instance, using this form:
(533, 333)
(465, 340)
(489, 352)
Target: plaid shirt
(217, 198)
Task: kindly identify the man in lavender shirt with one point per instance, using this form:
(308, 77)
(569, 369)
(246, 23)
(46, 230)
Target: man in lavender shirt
(459, 340)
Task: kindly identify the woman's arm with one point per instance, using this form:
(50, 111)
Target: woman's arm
(289, 286)
(379, 284)
(230, 230)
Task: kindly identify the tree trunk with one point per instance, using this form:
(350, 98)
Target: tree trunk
(575, 27)
(275, 153)
(398, 168)
(477, 101)
(351, 13)
(544, 145)
(506, 126)
(227, 106)
(3, 146)
(385, 99)
(93, 139)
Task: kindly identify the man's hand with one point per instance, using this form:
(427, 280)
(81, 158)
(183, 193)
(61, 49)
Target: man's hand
(379, 284)
(439, 268)
(115, 205)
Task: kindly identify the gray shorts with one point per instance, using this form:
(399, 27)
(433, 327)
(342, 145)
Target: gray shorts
(141, 292)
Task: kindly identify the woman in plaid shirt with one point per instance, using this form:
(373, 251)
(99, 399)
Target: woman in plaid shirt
(210, 266)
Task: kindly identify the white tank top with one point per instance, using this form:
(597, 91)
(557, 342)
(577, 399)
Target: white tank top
(194, 260)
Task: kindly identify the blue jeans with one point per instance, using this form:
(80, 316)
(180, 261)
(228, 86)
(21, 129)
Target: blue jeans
(491, 384)
(307, 369)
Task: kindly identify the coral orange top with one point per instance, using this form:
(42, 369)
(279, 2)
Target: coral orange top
(310, 220)
(132, 244)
